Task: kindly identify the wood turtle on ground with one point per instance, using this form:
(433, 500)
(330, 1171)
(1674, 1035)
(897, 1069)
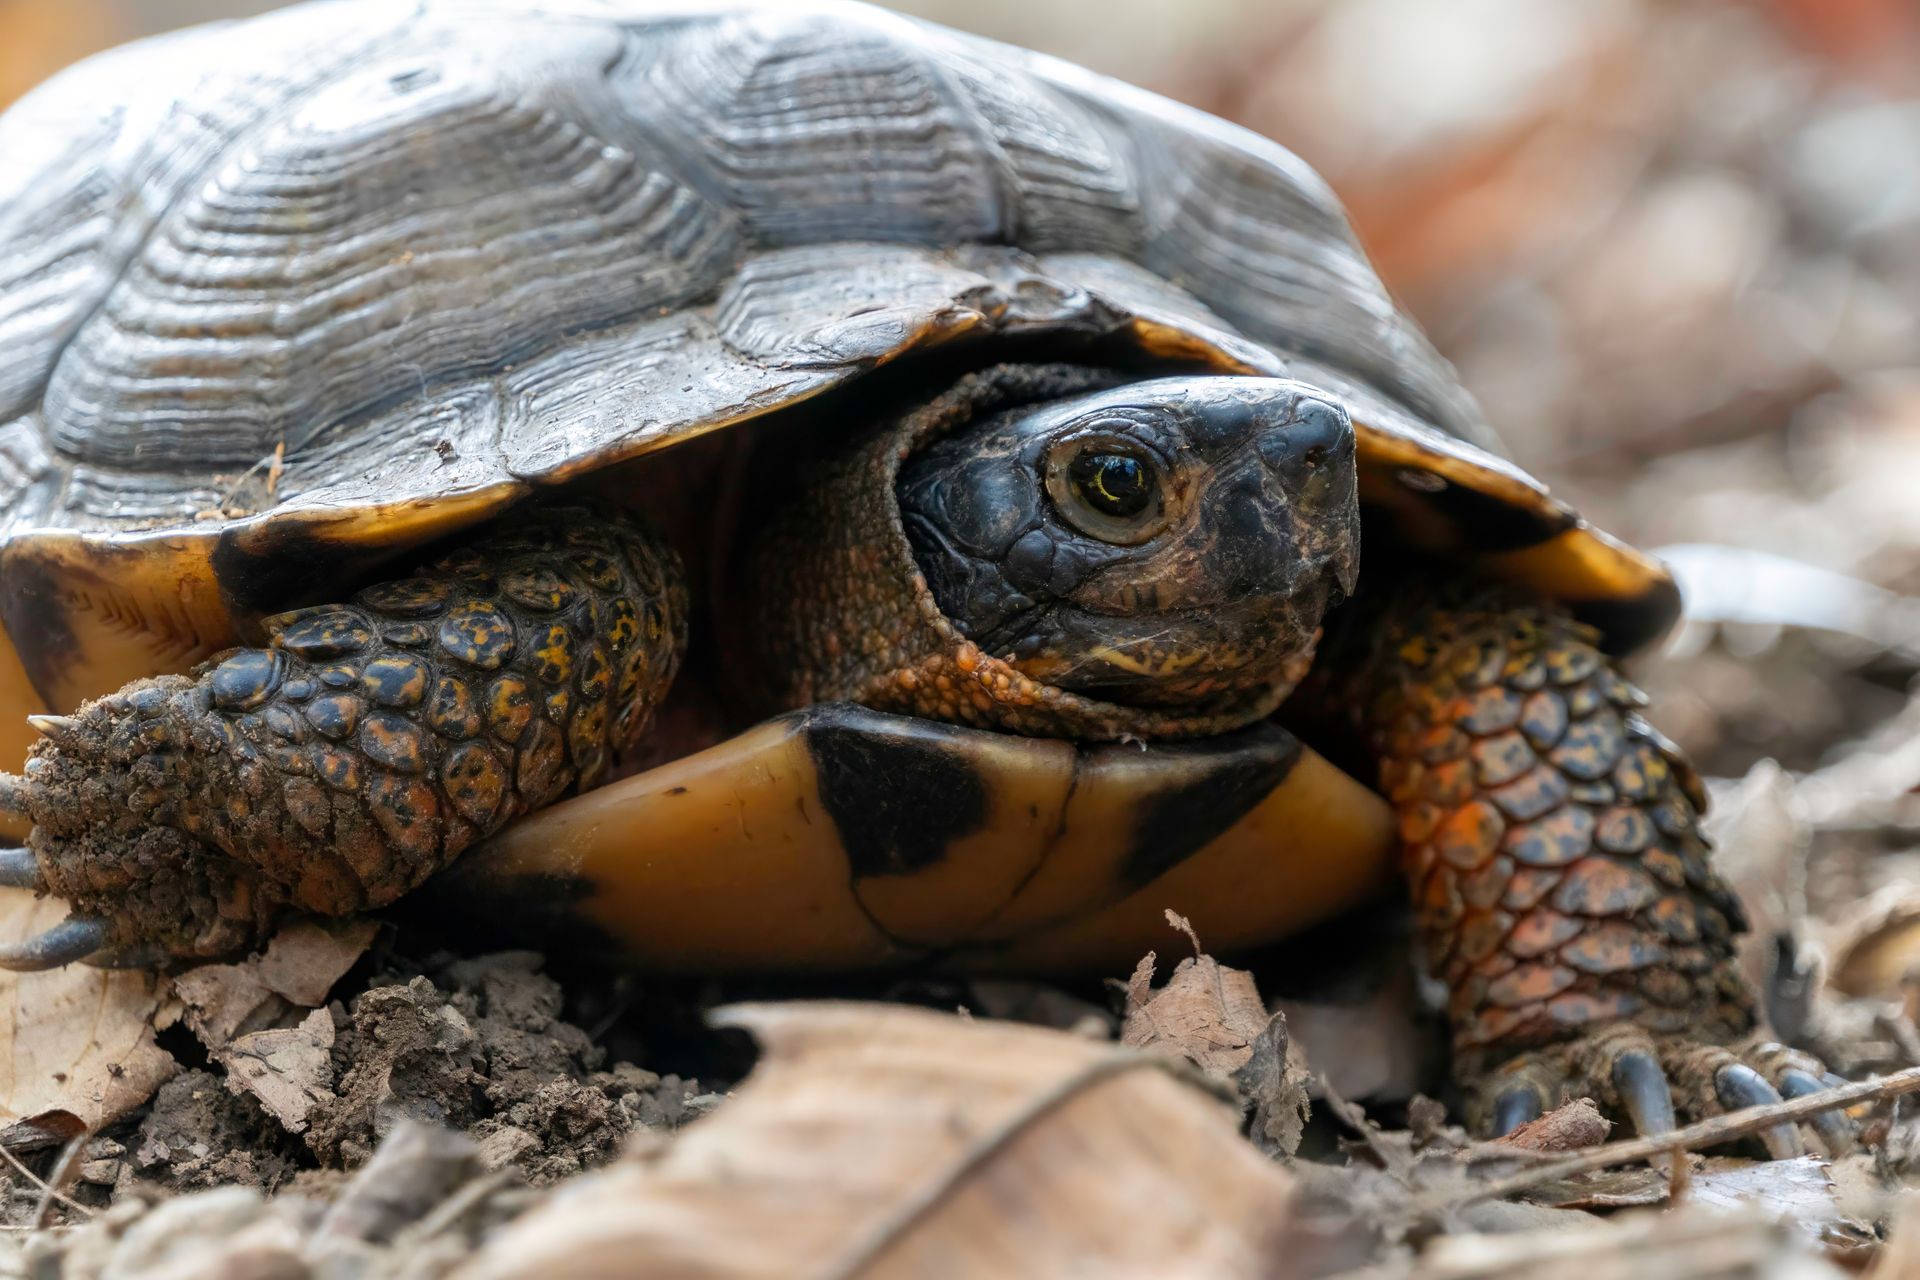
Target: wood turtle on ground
(775, 486)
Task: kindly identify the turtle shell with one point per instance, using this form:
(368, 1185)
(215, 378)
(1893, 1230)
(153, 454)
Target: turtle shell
(284, 296)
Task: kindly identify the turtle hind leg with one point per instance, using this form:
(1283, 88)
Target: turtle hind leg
(362, 749)
(1559, 874)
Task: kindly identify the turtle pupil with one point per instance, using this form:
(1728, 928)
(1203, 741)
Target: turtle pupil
(1115, 484)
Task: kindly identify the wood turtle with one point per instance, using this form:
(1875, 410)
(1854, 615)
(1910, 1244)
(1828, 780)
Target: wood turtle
(920, 484)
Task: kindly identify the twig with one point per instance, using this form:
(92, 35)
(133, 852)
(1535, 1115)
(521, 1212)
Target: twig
(1679, 1177)
(60, 1175)
(41, 1183)
(461, 1203)
(1707, 1133)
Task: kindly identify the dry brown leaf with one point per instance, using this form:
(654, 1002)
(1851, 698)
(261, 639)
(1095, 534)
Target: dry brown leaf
(1207, 1013)
(880, 1141)
(295, 973)
(1798, 1192)
(1213, 1017)
(1761, 838)
(258, 1017)
(1565, 1128)
(1685, 1245)
(289, 1069)
(80, 1048)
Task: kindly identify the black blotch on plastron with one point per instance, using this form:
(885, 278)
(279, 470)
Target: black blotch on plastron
(1215, 782)
(900, 790)
(36, 620)
(281, 567)
(1632, 622)
(478, 902)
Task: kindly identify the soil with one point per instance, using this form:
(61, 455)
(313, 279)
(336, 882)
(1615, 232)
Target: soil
(481, 1046)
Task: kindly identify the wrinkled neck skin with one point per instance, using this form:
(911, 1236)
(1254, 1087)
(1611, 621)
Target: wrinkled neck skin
(950, 566)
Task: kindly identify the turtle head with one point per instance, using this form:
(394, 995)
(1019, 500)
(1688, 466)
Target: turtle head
(1169, 543)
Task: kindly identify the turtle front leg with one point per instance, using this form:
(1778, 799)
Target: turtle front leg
(1560, 878)
(356, 753)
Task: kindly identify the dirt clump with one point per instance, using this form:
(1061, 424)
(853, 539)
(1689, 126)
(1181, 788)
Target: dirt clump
(481, 1045)
(200, 1134)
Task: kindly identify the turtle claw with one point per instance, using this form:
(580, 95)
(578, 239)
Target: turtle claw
(1518, 1105)
(74, 938)
(19, 869)
(1654, 1082)
(63, 731)
(1835, 1129)
(1739, 1086)
(134, 957)
(1640, 1086)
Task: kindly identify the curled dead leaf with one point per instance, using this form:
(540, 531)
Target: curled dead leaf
(80, 1041)
(1569, 1127)
(259, 1017)
(879, 1141)
(275, 988)
(1213, 1017)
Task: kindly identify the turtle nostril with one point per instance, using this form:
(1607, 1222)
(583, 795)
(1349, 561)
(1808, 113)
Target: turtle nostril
(1317, 435)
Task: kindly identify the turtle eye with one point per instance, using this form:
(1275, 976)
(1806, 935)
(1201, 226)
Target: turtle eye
(1116, 484)
(1109, 489)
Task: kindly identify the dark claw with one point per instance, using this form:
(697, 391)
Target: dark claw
(63, 731)
(135, 957)
(19, 869)
(1645, 1096)
(1515, 1107)
(74, 938)
(1835, 1127)
(1741, 1086)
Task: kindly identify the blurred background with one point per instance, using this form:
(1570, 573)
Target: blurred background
(1673, 246)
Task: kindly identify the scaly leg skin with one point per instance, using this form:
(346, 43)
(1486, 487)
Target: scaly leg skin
(361, 750)
(1560, 879)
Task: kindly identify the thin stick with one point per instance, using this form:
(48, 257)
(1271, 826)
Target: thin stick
(461, 1203)
(60, 1175)
(39, 1182)
(1707, 1133)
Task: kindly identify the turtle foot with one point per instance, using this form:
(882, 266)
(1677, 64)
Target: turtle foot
(75, 938)
(1654, 1082)
(363, 748)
